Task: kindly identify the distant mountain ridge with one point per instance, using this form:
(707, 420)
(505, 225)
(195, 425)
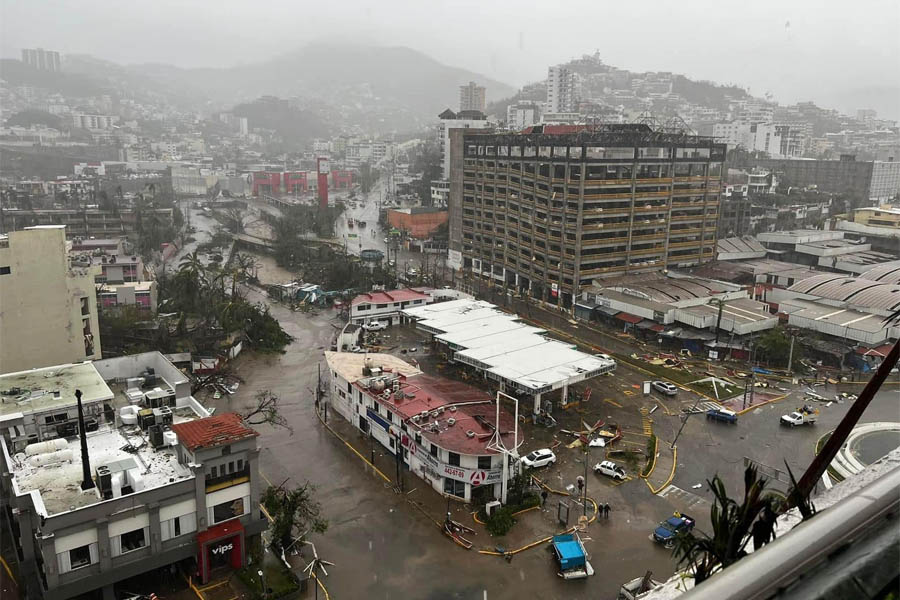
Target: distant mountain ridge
(407, 86)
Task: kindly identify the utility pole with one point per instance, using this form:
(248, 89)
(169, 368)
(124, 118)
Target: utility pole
(791, 354)
(684, 420)
(721, 304)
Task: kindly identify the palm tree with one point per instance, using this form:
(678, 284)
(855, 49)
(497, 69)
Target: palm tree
(733, 525)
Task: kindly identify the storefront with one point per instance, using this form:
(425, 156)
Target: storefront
(220, 547)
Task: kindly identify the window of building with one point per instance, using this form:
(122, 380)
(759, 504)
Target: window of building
(484, 462)
(362, 307)
(454, 488)
(79, 557)
(381, 306)
(434, 450)
(5, 271)
(228, 510)
(133, 540)
(454, 459)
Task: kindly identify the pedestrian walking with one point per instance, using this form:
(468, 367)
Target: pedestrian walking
(544, 496)
(605, 510)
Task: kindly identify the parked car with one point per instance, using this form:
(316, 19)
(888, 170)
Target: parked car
(722, 414)
(374, 325)
(664, 387)
(610, 469)
(538, 458)
(666, 531)
(357, 350)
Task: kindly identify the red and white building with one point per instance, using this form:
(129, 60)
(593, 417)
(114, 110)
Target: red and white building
(442, 428)
(386, 306)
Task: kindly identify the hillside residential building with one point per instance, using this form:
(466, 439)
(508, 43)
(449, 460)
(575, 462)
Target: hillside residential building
(562, 90)
(873, 181)
(48, 305)
(169, 485)
(752, 137)
(40, 59)
(547, 211)
(443, 428)
(471, 97)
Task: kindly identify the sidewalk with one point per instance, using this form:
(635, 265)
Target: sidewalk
(664, 470)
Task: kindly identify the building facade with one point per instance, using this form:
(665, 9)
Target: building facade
(873, 181)
(472, 97)
(185, 495)
(385, 306)
(43, 60)
(546, 213)
(562, 90)
(440, 429)
(522, 114)
(449, 121)
(48, 306)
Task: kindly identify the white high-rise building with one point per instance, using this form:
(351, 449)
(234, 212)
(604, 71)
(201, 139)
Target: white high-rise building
(450, 120)
(522, 114)
(753, 137)
(471, 97)
(562, 90)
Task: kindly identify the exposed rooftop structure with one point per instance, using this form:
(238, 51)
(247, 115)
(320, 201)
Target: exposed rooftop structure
(444, 411)
(349, 365)
(854, 291)
(389, 297)
(856, 262)
(884, 273)
(49, 388)
(848, 324)
(736, 248)
(59, 482)
(518, 356)
(212, 431)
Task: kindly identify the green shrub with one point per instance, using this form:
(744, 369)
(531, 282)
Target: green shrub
(651, 453)
(501, 521)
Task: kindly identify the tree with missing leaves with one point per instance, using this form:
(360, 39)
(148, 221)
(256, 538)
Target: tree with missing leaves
(295, 514)
(266, 411)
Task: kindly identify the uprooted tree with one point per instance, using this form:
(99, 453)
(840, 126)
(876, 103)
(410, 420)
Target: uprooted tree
(295, 514)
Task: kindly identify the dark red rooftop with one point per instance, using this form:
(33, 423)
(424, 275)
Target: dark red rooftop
(389, 297)
(212, 431)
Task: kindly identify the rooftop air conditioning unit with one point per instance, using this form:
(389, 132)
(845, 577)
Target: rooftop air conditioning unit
(424, 414)
(451, 421)
(415, 419)
(470, 434)
(452, 409)
(435, 413)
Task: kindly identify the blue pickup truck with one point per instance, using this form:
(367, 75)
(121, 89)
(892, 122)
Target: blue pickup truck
(666, 531)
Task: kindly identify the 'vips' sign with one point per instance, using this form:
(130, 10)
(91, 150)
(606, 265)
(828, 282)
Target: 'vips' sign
(223, 548)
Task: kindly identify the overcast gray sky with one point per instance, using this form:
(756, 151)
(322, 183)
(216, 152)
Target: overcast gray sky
(821, 50)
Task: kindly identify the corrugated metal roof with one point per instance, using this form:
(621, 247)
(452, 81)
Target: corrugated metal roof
(853, 290)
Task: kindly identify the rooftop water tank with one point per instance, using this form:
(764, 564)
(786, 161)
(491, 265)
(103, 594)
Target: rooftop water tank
(51, 458)
(45, 447)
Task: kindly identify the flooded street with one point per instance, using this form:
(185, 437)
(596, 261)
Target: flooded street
(374, 531)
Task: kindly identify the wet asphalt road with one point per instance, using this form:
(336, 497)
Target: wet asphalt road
(384, 549)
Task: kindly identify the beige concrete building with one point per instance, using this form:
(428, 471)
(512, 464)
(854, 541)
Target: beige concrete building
(48, 307)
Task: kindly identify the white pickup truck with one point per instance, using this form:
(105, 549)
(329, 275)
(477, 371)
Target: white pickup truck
(799, 418)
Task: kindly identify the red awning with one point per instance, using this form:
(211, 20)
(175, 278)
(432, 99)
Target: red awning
(658, 327)
(228, 528)
(629, 318)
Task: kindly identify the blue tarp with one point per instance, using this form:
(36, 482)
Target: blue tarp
(568, 551)
(761, 370)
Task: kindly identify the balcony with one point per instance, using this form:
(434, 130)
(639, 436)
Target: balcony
(643, 251)
(650, 208)
(228, 480)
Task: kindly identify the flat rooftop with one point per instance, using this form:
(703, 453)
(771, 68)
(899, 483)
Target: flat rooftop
(740, 310)
(521, 355)
(827, 314)
(60, 484)
(741, 245)
(50, 388)
(349, 365)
